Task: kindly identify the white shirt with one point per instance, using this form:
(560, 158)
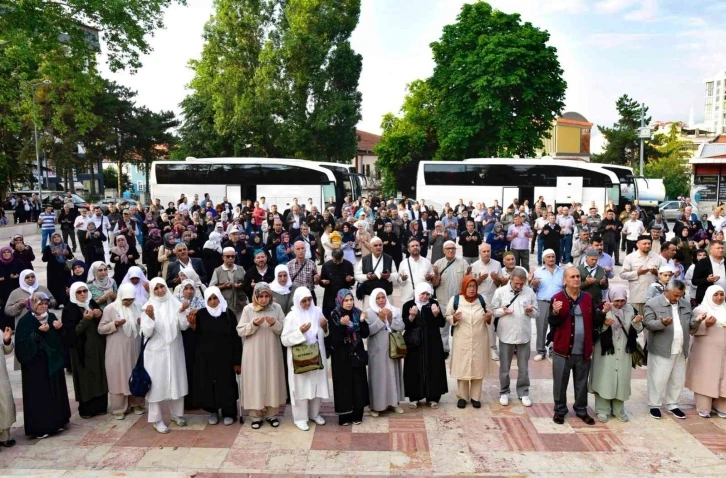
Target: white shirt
(101, 223)
(487, 287)
(677, 344)
(718, 222)
(416, 274)
(183, 207)
(633, 229)
(539, 223)
(81, 223)
(719, 270)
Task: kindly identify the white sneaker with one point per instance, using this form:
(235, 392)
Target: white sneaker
(720, 414)
(180, 421)
(495, 355)
(538, 358)
(413, 405)
(504, 400)
(398, 410)
(228, 421)
(526, 401)
(213, 419)
(374, 413)
(319, 420)
(302, 426)
(161, 427)
(434, 405)
(119, 416)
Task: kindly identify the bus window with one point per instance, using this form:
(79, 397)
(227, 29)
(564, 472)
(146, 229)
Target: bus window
(328, 191)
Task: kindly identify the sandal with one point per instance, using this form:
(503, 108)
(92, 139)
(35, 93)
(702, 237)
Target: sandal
(274, 422)
(256, 425)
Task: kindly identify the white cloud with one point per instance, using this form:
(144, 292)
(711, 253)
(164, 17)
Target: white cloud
(619, 40)
(614, 6)
(648, 11)
(632, 10)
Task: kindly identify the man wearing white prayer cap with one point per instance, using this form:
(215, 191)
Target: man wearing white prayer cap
(375, 270)
(546, 281)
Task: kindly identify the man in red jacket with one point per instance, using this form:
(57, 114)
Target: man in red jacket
(573, 320)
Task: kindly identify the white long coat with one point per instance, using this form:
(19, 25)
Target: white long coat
(165, 361)
(309, 385)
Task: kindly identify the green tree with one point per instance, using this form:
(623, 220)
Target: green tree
(623, 145)
(110, 177)
(407, 140)
(276, 78)
(498, 84)
(672, 165)
(152, 139)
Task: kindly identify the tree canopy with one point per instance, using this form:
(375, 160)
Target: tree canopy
(495, 91)
(277, 78)
(672, 164)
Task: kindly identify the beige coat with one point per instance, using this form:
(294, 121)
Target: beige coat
(7, 404)
(638, 284)
(122, 352)
(263, 371)
(706, 369)
(470, 358)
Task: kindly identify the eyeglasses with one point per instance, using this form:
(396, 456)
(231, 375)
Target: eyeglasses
(82, 291)
(229, 255)
(449, 248)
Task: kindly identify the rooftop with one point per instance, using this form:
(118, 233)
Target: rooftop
(367, 141)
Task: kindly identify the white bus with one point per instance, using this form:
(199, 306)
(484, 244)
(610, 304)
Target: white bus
(560, 182)
(649, 192)
(278, 180)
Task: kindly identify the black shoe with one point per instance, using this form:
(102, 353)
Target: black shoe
(559, 419)
(587, 419)
(655, 413)
(446, 355)
(476, 403)
(676, 412)
(618, 264)
(461, 403)
(8, 444)
(241, 420)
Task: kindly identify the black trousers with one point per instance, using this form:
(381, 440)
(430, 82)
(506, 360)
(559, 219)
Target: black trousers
(612, 249)
(347, 418)
(69, 234)
(561, 368)
(95, 406)
(630, 246)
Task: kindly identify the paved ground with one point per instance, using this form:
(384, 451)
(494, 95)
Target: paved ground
(492, 441)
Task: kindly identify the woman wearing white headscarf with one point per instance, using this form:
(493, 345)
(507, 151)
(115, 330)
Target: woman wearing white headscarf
(103, 288)
(28, 284)
(162, 320)
(424, 370)
(81, 317)
(385, 375)
(212, 251)
(707, 360)
(136, 277)
(611, 369)
(306, 324)
(282, 288)
(188, 273)
(217, 358)
(263, 380)
(120, 325)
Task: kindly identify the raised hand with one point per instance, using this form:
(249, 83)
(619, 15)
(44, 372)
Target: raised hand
(637, 319)
(7, 335)
(305, 327)
(557, 306)
(150, 311)
(44, 328)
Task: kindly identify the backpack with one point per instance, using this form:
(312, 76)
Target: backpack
(140, 381)
(456, 306)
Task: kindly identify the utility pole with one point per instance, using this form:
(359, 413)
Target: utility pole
(32, 87)
(643, 134)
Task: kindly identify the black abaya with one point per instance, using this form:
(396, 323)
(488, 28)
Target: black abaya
(424, 369)
(350, 382)
(45, 397)
(219, 350)
(58, 275)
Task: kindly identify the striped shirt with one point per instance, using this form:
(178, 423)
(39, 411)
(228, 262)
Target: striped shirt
(47, 221)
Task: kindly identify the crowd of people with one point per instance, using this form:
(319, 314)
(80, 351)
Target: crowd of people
(217, 304)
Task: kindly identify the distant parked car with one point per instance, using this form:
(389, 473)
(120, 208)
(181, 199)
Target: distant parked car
(670, 210)
(117, 201)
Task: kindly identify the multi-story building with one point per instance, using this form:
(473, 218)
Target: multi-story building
(714, 116)
(569, 138)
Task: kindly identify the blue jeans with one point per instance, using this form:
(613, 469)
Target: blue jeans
(566, 248)
(45, 236)
(540, 248)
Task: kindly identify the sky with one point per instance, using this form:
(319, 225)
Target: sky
(656, 51)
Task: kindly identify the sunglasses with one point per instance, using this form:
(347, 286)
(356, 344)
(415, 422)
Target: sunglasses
(229, 255)
(82, 291)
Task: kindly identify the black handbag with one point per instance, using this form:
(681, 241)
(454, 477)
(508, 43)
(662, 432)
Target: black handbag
(140, 382)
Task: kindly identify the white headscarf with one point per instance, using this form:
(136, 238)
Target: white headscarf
(130, 314)
(74, 288)
(166, 311)
(711, 309)
(372, 301)
(141, 295)
(420, 288)
(312, 314)
(92, 279)
(191, 274)
(275, 286)
(214, 242)
(222, 307)
(30, 289)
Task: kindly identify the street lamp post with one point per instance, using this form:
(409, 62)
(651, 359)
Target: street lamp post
(33, 86)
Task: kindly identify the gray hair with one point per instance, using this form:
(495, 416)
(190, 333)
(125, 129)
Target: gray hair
(179, 245)
(519, 274)
(676, 284)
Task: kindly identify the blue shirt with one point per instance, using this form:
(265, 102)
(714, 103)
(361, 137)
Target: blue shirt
(489, 227)
(452, 231)
(549, 284)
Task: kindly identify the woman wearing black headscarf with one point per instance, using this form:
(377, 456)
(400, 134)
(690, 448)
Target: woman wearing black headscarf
(150, 254)
(10, 269)
(57, 254)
